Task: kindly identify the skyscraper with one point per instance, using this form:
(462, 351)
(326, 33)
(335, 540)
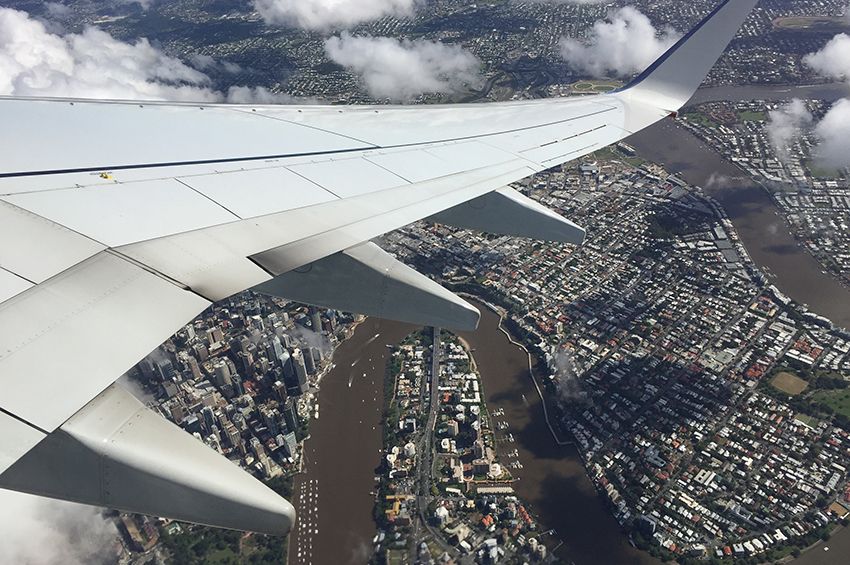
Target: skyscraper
(309, 361)
(164, 370)
(222, 374)
(316, 320)
(290, 415)
(300, 370)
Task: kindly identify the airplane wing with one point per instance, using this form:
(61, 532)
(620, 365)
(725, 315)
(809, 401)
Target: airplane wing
(121, 221)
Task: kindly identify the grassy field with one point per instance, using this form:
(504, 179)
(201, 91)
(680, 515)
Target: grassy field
(789, 383)
(820, 171)
(751, 116)
(700, 119)
(808, 420)
(816, 23)
(838, 400)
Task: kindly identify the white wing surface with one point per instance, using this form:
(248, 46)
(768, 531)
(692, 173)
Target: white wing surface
(122, 221)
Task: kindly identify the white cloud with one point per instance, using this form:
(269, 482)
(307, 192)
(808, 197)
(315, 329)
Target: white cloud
(623, 44)
(785, 124)
(331, 14)
(57, 10)
(833, 60)
(208, 63)
(259, 95)
(93, 64)
(40, 531)
(833, 131)
(403, 69)
(144, 4)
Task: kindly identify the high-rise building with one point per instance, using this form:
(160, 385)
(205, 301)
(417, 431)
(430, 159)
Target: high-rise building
(233, 436)
(246, 361)
(290, 444)
(209, 417)
(316, 320)
(201, 352)
(270, 420)
(193, 366)
(164, 370)
(274, 348)
(300, 370)
(147, 368)
(309, 361)
(290, 415)
(222, 374)
(287, 340)
(238, 387)
(280, 391)
(257, 448)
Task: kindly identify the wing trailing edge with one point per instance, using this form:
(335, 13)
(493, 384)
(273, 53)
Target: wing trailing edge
(368, 280)
(117, 453)
(507, 212)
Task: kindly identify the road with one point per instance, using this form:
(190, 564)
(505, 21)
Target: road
(424, 461)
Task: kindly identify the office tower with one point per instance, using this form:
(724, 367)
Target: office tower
(201, 352)
(238, 387)
(209, 417)
(290, 444)
(280, 391)
(222, 374)
(309, 361)
(300, 367)
(164, 370)
(290, 415)
(316, 320)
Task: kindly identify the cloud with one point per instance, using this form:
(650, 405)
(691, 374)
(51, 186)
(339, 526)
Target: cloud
(833, 60)
(144, 4)
(207, 63)
(93, 64)
(785, 124)
(833, 131)
(402, 69)
(57, 10)
(260, 95)
(41, 531)
(623, 44)
(331, 14)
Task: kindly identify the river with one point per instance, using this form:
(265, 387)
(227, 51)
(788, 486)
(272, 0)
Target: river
(333, 497)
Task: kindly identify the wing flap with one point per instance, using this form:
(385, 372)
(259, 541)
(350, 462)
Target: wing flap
(368, 280)
(66, 340)
(117, 453)
(507, 212)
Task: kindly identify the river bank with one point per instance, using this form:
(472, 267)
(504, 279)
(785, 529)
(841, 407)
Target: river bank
(553, 481)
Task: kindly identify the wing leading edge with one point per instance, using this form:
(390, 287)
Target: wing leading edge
(130, 219)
